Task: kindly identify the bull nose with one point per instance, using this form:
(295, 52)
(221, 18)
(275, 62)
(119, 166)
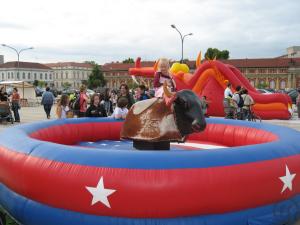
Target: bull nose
(198, 126)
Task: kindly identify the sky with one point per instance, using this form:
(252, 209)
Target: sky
(113, 30)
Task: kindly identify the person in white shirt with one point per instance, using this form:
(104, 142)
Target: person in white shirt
(248, 102)
(121, 110)
(228, 103)
(228, 92)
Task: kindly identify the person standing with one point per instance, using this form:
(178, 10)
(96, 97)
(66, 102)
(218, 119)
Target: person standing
(15, 104)
(83, 100)
(63, 110)
(124, 92)
(48, 101)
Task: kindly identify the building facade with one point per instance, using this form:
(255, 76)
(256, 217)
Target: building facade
(26, 71)
(117, 73)
(276, 73)
(70, 74)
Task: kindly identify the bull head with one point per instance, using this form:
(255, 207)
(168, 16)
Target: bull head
(188, 110)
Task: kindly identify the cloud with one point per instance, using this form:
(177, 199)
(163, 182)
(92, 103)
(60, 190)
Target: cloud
(113, 30)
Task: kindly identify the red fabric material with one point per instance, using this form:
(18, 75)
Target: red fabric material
(149, 193)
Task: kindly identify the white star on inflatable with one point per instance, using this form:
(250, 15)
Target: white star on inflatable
(287, 179)
(100, 193)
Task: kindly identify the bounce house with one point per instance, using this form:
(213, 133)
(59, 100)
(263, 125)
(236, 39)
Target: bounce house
(79, 172)
(209, 79)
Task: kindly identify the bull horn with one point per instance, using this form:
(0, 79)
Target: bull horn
(166, 91)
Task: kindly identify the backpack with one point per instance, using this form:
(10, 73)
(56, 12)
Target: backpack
(241, 101)
(76, 103)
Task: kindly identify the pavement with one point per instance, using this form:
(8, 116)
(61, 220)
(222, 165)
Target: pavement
(33, 114)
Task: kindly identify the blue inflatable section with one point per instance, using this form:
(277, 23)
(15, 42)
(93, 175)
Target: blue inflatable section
(34, 213)
(178, 159)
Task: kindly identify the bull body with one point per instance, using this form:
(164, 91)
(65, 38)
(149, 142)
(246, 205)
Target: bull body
(165, 120)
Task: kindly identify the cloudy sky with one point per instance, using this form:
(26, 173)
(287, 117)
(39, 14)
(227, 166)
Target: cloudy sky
(112, 30)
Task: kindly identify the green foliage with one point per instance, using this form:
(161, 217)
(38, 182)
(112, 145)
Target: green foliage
(132, 85)
(262, 85)
(42, 83)
(91, 62)
(35, 83)
(211, 53)
(96, 79)
(66, 85)
(129, 60)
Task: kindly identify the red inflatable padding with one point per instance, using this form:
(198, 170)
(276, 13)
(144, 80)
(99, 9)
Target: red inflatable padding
(223, 134)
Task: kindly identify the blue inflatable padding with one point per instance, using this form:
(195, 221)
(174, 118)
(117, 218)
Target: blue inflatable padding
(33, 213)
(17, 139)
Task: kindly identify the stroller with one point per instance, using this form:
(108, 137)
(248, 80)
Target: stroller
(5, 113)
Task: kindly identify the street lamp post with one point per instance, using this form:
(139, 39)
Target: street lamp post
(18, 53)
(182, 40)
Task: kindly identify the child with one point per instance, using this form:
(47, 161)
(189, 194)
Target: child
(121, 110)
(161, 76)
(63, 110)
(96, 109)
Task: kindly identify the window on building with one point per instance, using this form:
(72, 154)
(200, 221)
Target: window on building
(67, 77)
(18, 75)
(62, 75)
(50, 76)
(56, 75)
(283, 70)
(12, 75)
(23, 76)
(8, 76)
(252, 70)
(282, 84)
(272, 70)
(272, 84)
(46, 76)
(262, 71)
(41, 76)
(35, 76)
(2, 76)
(28, 76)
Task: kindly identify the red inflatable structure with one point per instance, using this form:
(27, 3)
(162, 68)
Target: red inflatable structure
(210, 78)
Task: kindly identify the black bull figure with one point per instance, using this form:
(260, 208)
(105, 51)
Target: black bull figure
(152, 124)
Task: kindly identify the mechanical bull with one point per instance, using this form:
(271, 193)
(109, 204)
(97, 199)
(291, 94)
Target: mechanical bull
(152, 124)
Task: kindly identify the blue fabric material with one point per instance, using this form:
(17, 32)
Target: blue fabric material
(29, 212)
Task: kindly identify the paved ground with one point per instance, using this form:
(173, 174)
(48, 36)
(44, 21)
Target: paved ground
(32, 114)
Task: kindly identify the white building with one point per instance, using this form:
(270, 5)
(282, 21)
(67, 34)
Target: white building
(28, 72)
(70, 72)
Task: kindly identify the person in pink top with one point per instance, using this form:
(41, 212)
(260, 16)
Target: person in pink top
(83, 101)
(161, 76)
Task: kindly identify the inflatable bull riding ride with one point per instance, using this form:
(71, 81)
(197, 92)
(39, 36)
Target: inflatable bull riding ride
(80, 172)
(154, 123)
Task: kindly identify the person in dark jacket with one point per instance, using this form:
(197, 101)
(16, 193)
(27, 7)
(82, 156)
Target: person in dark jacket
(96, 109)
(124, 92)
(47, 101)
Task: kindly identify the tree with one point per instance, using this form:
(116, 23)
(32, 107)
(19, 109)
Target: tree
(42, 83)
(96, 79)
(129, 60)
(91, 62)
(211, 53)
(35, 83)
(66, 85)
